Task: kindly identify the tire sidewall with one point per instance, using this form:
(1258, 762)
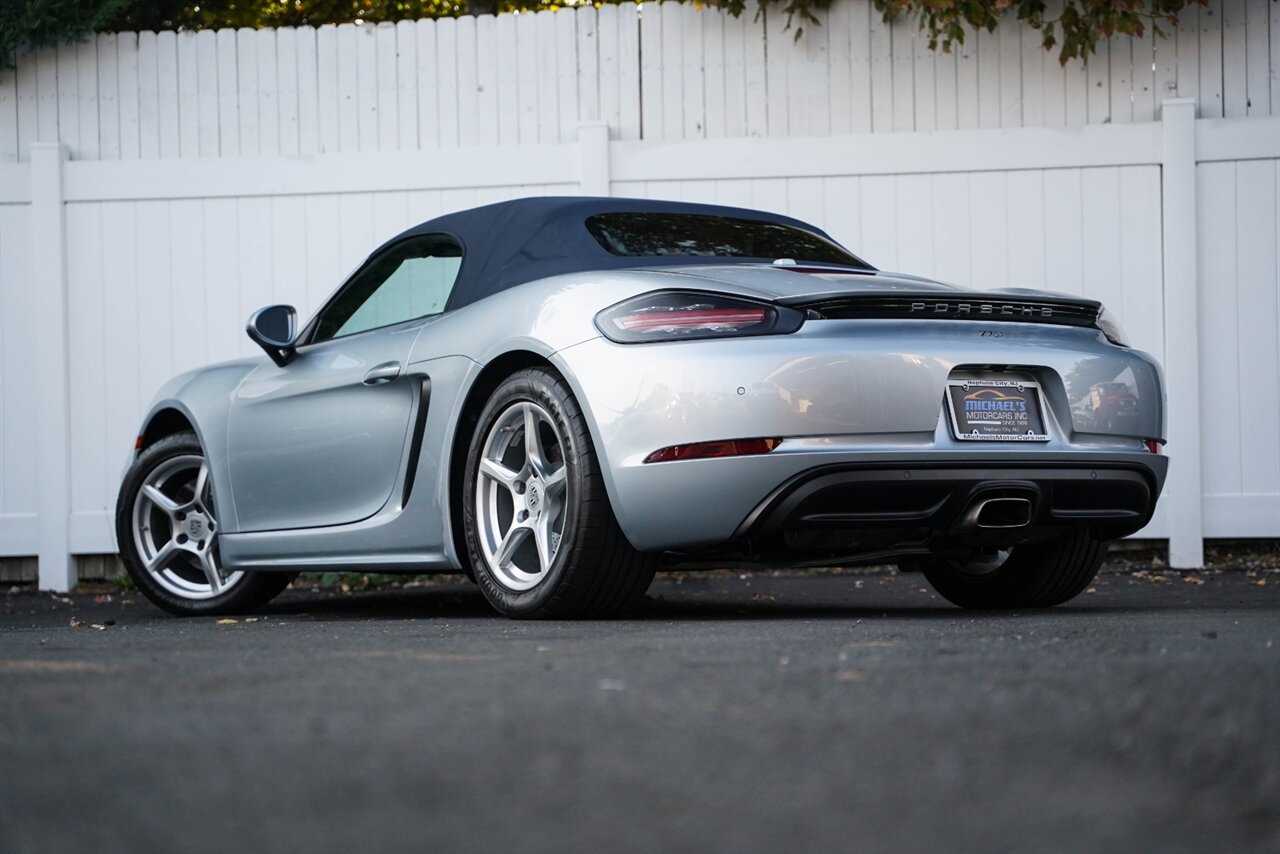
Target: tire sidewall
(241, 596)
(1004, 587)
(1022, 580)
(546, 389)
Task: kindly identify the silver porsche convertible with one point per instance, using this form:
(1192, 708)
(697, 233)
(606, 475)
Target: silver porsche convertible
(560, 396)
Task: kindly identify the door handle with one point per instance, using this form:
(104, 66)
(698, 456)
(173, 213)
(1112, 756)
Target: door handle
(383, 373)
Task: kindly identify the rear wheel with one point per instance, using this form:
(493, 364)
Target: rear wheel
(167, 529)
(1030, 575)
(540, 532)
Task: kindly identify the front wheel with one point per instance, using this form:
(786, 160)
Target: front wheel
(539, 529)
(167, 529)
(1029, 575)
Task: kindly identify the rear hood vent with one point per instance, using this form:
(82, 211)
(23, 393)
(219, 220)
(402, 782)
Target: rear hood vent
(934, 306)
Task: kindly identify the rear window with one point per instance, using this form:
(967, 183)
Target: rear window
(657, 234)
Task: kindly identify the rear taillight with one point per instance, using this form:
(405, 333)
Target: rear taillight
(681, 315)
(704, 450)
(671, 321)
(1154, 446)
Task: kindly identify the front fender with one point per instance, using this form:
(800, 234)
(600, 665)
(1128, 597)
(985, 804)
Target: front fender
(203, 398)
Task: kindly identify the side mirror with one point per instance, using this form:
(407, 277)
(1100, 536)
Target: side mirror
(273, 329)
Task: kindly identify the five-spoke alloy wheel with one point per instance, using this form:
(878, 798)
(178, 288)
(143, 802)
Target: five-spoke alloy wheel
(167, 529)
(175, 530)
(522, 495)
(540, 534)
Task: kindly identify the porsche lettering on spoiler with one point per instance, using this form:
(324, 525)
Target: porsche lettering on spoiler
(982, 309)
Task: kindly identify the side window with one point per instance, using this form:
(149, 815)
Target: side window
(411, 279)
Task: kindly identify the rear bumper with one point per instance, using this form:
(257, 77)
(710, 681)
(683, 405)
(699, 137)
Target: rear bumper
(903, 493)
(877, 506)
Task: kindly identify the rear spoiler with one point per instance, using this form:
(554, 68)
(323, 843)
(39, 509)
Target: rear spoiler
(930, 305)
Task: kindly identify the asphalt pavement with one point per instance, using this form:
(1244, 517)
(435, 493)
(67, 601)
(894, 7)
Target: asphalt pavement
(733, 713)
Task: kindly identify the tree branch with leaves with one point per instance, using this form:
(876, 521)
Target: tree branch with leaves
(1075, 27)
(46, 23)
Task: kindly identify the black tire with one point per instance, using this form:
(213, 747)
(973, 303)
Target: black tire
(1035, 575)
(252, 590)
(595, 572)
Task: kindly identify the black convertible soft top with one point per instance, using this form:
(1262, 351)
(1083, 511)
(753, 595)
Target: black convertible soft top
(509, 243)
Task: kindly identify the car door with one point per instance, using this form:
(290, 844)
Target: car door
(321, 440)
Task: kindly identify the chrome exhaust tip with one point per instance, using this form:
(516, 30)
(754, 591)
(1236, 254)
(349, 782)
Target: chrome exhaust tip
(999, 513)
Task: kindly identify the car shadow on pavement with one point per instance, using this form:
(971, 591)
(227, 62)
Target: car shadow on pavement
(460, 600)
(693, 599)
(701, 601)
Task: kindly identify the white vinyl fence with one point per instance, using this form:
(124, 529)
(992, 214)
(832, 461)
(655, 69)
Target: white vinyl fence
(123, 264)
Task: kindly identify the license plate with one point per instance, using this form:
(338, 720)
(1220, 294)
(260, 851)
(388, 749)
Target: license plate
(996, 411)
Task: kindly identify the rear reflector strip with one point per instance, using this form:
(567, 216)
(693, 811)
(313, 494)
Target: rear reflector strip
(723, 448)
(1153, 445)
